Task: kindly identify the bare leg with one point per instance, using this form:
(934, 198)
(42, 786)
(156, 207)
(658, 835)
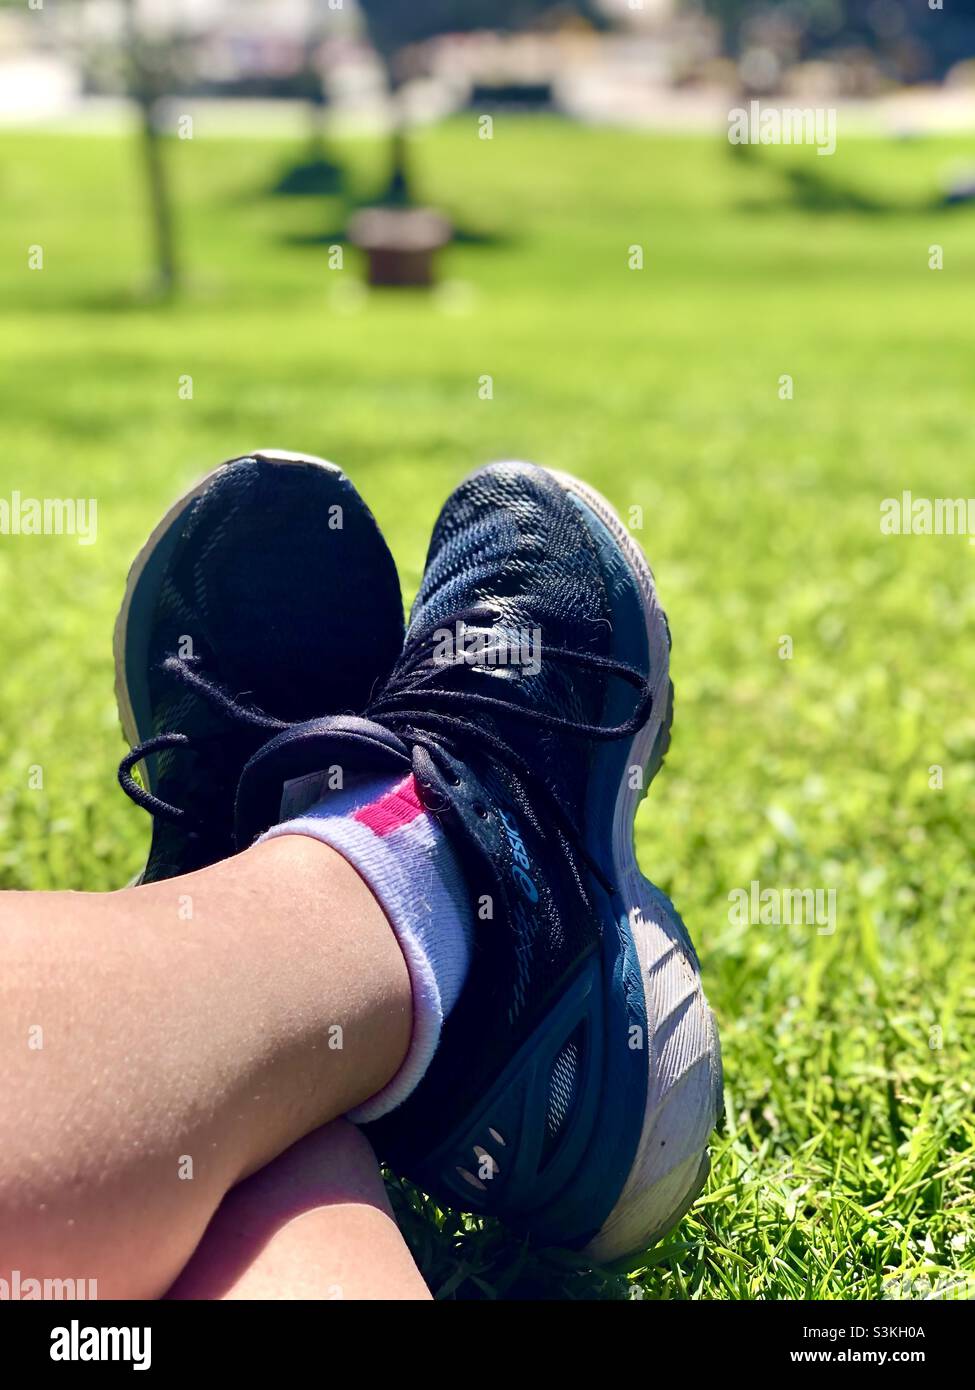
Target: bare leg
(315, 1224)
(161, 1043)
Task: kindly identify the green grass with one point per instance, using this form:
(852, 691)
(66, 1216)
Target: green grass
(848, 1152)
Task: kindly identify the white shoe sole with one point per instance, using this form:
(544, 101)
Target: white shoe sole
(671, 1163)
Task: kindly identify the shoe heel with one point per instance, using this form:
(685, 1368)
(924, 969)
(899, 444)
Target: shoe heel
(671, 1162)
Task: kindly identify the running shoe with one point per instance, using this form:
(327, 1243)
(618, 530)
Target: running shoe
(265, 595)
(578, 1076)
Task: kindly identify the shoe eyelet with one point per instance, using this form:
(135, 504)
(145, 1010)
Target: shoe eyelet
(481, 810)
(453, 779)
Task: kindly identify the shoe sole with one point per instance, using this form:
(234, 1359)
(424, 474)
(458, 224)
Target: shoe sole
(681, 1109)
(142, 588)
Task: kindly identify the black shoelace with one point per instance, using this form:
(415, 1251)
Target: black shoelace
(420, 707)
(238, 714)
(426, 714)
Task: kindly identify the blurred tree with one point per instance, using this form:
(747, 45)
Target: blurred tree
(147, 66)
(313, 173)
(394, 24)
(910, 39)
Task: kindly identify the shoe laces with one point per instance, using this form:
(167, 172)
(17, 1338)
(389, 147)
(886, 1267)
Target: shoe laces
(238, 714)
(420, 704)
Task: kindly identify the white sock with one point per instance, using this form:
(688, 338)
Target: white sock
(382, 829)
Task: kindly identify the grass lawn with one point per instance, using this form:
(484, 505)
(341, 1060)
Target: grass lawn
(847, 1157)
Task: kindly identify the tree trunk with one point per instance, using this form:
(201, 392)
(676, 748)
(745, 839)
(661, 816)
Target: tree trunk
(143, 87)
(398, 192)
(159, 201)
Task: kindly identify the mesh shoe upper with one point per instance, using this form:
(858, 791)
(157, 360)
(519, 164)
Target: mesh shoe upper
(501, 751)
(510, 538)
(281, 592)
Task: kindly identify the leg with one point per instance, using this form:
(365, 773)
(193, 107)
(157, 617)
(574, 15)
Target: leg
(190, 1031)
(314, 1224)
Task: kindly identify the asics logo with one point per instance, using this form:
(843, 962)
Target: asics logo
(520, 861)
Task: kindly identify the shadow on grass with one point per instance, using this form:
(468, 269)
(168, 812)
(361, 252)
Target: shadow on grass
(462, 235)
(314, 177)
(317, 176)
(811, 191)
(472, 1258)
(131, 299)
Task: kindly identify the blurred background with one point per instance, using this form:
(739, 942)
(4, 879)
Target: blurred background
(286, 66)
(416, 237)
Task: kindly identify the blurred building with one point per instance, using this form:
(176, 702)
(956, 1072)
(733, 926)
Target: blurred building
(633, 60)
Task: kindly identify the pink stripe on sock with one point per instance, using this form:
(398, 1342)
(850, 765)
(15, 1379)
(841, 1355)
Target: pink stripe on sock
(394, 809)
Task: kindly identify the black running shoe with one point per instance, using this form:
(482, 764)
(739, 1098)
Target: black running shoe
(265, 595)
(578, 1077)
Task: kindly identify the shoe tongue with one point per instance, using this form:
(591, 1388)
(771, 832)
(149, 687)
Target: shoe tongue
(298, 767)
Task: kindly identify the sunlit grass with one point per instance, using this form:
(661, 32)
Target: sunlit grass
(847, 1156)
